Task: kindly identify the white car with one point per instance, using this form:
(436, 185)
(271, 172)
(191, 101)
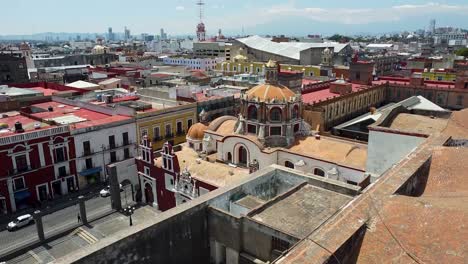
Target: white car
(106, 191)
(20, 221)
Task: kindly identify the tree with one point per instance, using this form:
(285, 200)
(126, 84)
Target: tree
(462, 52)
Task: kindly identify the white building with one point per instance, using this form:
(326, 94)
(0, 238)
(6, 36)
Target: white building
(205, 64)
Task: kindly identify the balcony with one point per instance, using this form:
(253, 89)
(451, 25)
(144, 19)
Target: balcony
(17, 171)
(170, 135)
(158, 138)
(181, 132)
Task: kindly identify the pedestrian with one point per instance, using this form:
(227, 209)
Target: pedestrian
(79, 218)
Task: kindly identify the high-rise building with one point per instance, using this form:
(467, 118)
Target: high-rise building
(110, 34)
(163, 34)
(127, 33)
(432, 25)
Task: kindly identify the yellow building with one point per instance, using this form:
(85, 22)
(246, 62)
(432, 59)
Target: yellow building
(439, 76)
(240, 65)
(169, 124)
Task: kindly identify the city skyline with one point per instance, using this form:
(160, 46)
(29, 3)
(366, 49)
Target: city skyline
(261, 17)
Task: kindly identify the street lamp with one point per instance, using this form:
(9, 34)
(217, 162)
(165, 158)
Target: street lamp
(129, 211)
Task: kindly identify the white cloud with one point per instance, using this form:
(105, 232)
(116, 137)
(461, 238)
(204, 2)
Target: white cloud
(180, 8)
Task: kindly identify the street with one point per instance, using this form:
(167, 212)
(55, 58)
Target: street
(53, 223)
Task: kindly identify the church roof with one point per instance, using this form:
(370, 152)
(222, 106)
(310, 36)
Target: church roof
(266, 92)
(196, 131)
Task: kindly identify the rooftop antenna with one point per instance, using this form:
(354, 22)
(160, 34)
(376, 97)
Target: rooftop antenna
(200, 3)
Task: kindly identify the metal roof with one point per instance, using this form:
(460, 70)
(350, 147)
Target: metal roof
(287, 49)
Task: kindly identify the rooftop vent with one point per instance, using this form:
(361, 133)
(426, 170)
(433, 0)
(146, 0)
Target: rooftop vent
(317, 136)
(50, 108)
(37, 125)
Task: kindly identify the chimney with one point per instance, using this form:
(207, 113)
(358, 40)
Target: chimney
(19, 127)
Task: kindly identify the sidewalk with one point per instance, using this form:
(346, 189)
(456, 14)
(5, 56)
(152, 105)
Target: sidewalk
(56, 204)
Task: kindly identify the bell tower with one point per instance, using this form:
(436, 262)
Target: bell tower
(271, 72)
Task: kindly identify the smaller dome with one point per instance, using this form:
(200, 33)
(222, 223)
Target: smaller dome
(197, 131)
(271, 64)
(240, 58)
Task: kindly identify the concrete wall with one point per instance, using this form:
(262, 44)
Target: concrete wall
(179, 237)
(386, 149)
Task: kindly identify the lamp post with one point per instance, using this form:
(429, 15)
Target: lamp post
(129, 211)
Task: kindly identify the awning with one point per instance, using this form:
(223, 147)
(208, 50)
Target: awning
(90, 171)
(21, 195)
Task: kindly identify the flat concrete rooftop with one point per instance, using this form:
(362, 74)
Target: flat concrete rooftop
(302, 211)
(418, 123)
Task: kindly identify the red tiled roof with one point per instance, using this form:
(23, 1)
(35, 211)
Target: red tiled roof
(93, 118)
(326, 94)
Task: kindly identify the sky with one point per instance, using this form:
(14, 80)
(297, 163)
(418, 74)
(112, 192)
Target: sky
(179, 17)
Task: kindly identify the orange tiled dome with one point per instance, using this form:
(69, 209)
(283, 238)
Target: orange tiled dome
(197, 131)
(266, 92)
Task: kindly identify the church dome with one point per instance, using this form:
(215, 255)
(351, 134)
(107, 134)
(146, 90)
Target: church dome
(197, 131)
(267, 92)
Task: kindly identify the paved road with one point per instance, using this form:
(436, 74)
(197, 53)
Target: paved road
(55, 222)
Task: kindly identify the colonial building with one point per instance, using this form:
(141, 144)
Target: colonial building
(37, 162)
(269, 130)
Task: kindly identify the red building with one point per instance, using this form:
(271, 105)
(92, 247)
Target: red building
(37, 162)
(162, 182)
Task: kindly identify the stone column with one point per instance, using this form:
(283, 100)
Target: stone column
(39, 227)
(11, 194)
(82, 205)
(114, 188)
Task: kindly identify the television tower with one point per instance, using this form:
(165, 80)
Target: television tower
(201, 32)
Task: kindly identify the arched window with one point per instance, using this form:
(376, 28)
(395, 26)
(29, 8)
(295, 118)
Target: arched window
(275, 114)
(289, 164)
(319, 172)
(252, 113)
(295, 112)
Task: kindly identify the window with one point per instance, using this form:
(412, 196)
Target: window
(180, 131)
(358, 76)
(296, 128)
(89, 163)
(125, 138)
(144, 132)
(289, 164)
(147, 171)
(156, 133)
(168, 131)
(112, 141)
(21, 163)
(295, 112)
(189, 123)
(319, 172)
(126, 153)
(275, 114)
(252, 129)
(18, 183)
(113, 156)
(252, 112)
(62, 171)
(275, 131)
(86, 148)
(60, 154)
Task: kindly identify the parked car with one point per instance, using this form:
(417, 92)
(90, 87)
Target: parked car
(106, 191)
(20, 221)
